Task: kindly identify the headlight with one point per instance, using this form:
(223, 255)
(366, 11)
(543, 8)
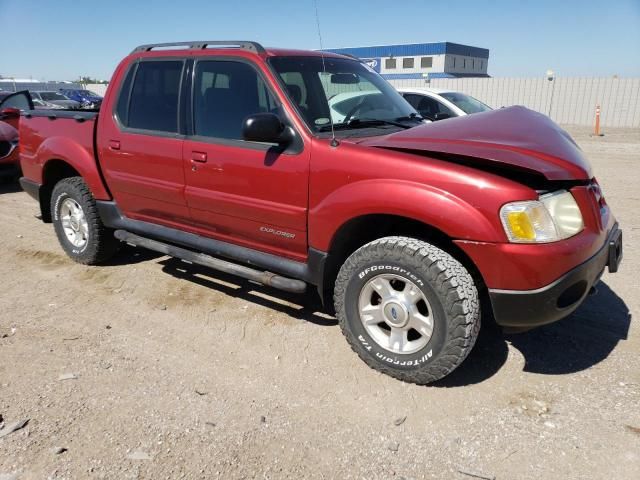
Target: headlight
(554, 216)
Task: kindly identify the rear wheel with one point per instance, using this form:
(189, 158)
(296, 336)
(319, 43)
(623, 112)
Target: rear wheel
(408, 308)
(78, 226)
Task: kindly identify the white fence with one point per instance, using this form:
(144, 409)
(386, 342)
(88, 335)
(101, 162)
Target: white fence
(99, 88)
(571, 101)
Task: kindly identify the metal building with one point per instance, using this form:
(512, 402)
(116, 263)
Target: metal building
(419, 60)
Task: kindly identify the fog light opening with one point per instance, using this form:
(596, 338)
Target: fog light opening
(572, 294)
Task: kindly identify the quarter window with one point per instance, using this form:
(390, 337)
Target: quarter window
(154, 97)
(225, 93)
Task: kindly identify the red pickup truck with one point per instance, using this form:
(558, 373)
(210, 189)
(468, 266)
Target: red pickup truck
(238, 157)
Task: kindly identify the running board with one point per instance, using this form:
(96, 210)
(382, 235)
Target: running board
(264, 278)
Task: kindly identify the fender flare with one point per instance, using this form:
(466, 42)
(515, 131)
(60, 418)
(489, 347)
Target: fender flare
(426, 204)
(75, 155)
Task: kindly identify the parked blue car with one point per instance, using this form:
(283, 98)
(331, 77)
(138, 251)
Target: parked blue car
(86, 97)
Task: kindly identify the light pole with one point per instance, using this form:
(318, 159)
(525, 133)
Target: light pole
(551, 76)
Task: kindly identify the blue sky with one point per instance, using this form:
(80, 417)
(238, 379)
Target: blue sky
(63, 39)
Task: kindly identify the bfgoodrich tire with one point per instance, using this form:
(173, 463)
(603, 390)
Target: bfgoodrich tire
(407, 308)
(78, 226)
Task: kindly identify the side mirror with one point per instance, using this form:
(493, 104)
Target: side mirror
(9, 113)
(265, 127)
(441, 116)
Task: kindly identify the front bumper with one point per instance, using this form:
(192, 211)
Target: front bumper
(531, 308)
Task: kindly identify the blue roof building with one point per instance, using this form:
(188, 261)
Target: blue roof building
(417, 60)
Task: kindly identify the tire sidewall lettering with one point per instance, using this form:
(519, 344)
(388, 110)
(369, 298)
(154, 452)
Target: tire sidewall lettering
(56, 218)
(398, 270)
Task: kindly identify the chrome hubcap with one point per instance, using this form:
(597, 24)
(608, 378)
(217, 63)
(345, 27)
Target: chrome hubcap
(395, 313)
(74, 223)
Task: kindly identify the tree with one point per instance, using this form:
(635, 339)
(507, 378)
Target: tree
(92, 80)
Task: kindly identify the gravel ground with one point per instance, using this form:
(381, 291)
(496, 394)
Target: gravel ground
(149, 368)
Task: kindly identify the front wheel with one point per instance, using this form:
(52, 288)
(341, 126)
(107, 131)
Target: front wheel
(407, 308)
(78, 226)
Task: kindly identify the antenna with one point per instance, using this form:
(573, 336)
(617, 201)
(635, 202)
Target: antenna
(334, 142)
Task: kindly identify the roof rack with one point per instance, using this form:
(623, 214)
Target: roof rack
(202, 44)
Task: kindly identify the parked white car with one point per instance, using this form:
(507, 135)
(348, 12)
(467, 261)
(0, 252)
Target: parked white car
(437, 104)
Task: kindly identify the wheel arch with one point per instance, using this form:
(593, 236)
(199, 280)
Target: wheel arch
(53, 171)
(63, 157)
(357, 232)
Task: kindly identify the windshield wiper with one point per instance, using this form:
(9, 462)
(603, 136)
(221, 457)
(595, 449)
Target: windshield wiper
(363, 123)
(410, 117)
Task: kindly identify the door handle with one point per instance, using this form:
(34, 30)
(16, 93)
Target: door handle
(114, 144)
(200, 157)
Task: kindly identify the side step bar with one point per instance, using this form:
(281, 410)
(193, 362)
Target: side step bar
(265, 278)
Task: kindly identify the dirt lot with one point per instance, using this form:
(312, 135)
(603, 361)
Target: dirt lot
(183, 373)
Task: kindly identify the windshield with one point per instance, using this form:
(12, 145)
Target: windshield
(89, 93)
(465, 103)
(346, 91)
(52, 96)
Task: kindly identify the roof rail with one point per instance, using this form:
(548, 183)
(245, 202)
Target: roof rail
(202, 44)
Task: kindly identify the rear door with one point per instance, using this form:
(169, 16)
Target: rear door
(249, 193)
(140, 144)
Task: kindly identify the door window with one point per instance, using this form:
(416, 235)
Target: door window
(413, 99)
(20, 100)
(154, 97)
(224, 94)
(427, 107)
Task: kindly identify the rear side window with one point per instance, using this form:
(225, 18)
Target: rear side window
(153, 104)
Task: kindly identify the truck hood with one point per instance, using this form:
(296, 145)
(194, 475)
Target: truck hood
(513, 137)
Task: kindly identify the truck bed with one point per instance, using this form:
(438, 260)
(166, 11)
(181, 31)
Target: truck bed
(44, 130)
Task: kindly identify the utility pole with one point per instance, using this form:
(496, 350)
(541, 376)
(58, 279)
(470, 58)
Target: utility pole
(551, 77)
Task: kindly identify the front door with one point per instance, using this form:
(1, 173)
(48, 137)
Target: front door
(248, 193)
(140, 147)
